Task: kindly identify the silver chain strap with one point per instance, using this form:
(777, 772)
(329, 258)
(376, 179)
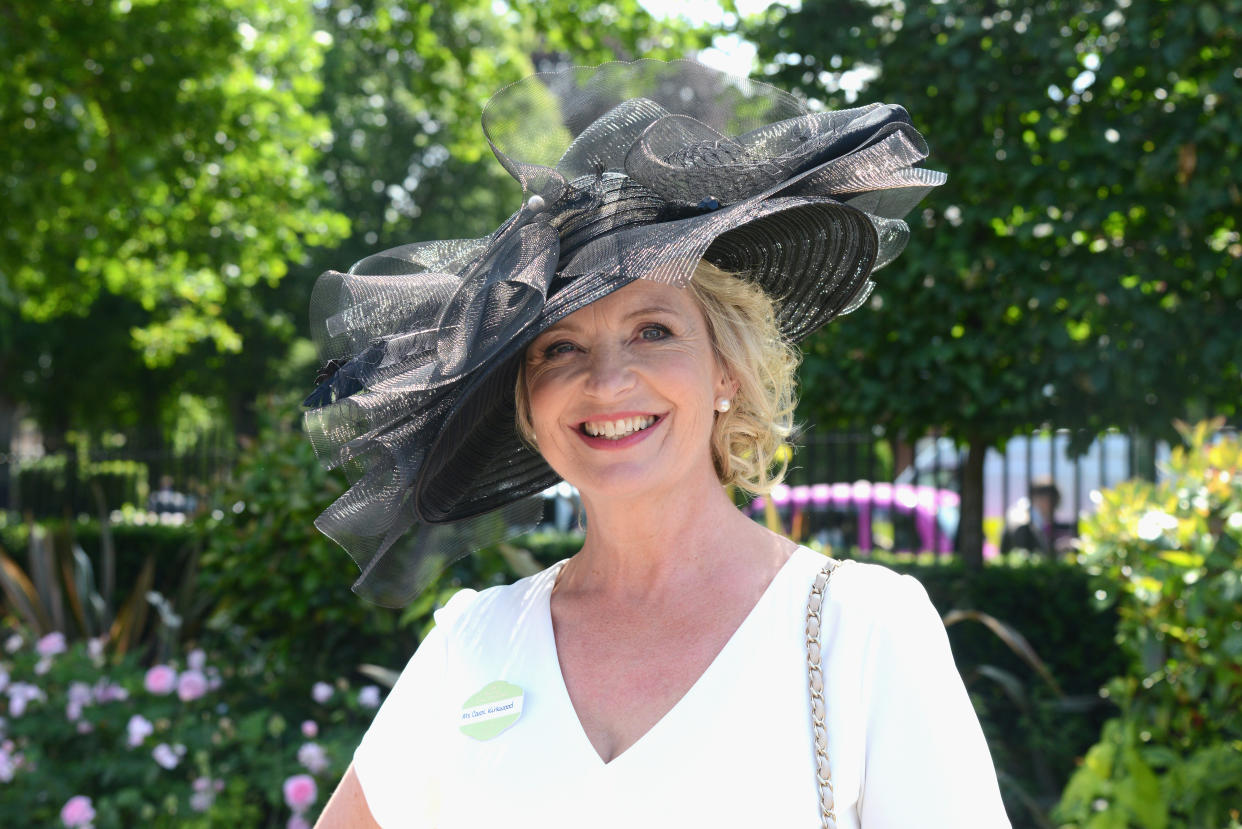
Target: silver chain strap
(823, 774)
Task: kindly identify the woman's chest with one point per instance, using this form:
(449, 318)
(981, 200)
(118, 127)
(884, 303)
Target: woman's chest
(622, 681)
(734, 749)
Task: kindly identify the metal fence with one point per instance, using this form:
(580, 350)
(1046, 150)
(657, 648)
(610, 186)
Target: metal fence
(855, 488)
(861, 489)
(157, 478)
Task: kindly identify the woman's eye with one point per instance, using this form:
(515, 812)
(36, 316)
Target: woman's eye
(558, 349)
(654, 332)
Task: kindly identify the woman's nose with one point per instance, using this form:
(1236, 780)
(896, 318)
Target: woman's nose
(609, 372)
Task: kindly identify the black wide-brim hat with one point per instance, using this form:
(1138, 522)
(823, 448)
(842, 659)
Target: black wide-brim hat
(630, 171)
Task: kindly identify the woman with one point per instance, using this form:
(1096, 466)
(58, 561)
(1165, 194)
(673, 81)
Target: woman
(630, 330)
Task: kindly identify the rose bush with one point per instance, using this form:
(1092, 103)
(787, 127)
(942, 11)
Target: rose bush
(91, 741)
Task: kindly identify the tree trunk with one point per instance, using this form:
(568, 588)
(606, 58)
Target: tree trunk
(970, 526)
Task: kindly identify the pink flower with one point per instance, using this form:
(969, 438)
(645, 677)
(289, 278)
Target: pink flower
(204, 793)
(138, 729)
(95, 649)
(13, 643)
(300, 792)
(79, 693)
(10, 761)
(51, 645)
(196, 660)
(313, 757)
(310, 729)
(78, 812)
(191, 685)
(107, 691)
(297, 822)
(321, 692)
(22, 693)
(369, 697)
(160, 680)
(168, 756)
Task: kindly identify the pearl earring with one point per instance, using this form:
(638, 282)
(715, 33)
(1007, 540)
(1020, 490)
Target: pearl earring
(722, 405)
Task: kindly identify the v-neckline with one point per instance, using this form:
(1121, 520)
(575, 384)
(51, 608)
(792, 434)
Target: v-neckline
(562, 689)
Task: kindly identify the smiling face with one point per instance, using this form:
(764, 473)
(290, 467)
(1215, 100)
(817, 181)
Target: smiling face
(622, 393)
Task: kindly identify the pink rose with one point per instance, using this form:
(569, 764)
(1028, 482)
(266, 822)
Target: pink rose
(369, 697)
(78, 812)
(196, 659)
(191, 685)
(10, 761)
(160, 680)
(300, 792)
(22, 693)
(204, 794)
(51, 645)
(310, 729)
(138, 729)
(168, 756)
(313, 757)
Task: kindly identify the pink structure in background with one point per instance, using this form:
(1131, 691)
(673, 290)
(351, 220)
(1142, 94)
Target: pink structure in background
(925, 503)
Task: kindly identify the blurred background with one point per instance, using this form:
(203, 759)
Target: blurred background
(176, 173)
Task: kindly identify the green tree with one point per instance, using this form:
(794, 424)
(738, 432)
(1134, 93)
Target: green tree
(404, 87)
(180, 171)
(158, 159)
(1075, 269)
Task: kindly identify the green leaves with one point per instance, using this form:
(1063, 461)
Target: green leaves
(1173, 550)
(1075, 158)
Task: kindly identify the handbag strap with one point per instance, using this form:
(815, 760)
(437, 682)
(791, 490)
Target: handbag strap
(815, 676)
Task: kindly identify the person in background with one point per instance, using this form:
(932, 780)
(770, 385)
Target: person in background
(1030, 522)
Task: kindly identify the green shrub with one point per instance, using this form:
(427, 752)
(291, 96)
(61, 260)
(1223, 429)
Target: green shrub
(42, 481)
(119, 482)
(50, 487)
(195, 747)
(1169, 555)
(167, 544)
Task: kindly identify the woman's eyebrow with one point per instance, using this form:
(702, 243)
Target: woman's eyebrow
(650, 309)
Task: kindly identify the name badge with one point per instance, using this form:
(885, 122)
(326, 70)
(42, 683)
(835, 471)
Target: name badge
(491, 709)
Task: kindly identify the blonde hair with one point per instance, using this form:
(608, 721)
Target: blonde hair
(746, 440)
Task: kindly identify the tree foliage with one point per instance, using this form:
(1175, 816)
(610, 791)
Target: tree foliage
(1079, 268)
(159, 175)
(168, 162)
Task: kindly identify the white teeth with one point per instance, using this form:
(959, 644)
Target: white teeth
(616, 429)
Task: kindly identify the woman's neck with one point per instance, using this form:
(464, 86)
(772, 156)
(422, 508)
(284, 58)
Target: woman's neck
(666, 541)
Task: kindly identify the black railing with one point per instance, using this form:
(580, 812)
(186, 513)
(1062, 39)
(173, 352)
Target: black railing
(161, 479)
(928, 471)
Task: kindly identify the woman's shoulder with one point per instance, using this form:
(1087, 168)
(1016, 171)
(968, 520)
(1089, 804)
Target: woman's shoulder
(866, 588)
(501, 605)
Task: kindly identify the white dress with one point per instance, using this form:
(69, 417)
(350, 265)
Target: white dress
(905, 745)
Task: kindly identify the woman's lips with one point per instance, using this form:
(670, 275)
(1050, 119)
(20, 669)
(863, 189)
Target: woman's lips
(605, 442)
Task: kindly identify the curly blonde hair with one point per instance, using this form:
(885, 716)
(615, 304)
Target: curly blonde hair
(747, 440)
